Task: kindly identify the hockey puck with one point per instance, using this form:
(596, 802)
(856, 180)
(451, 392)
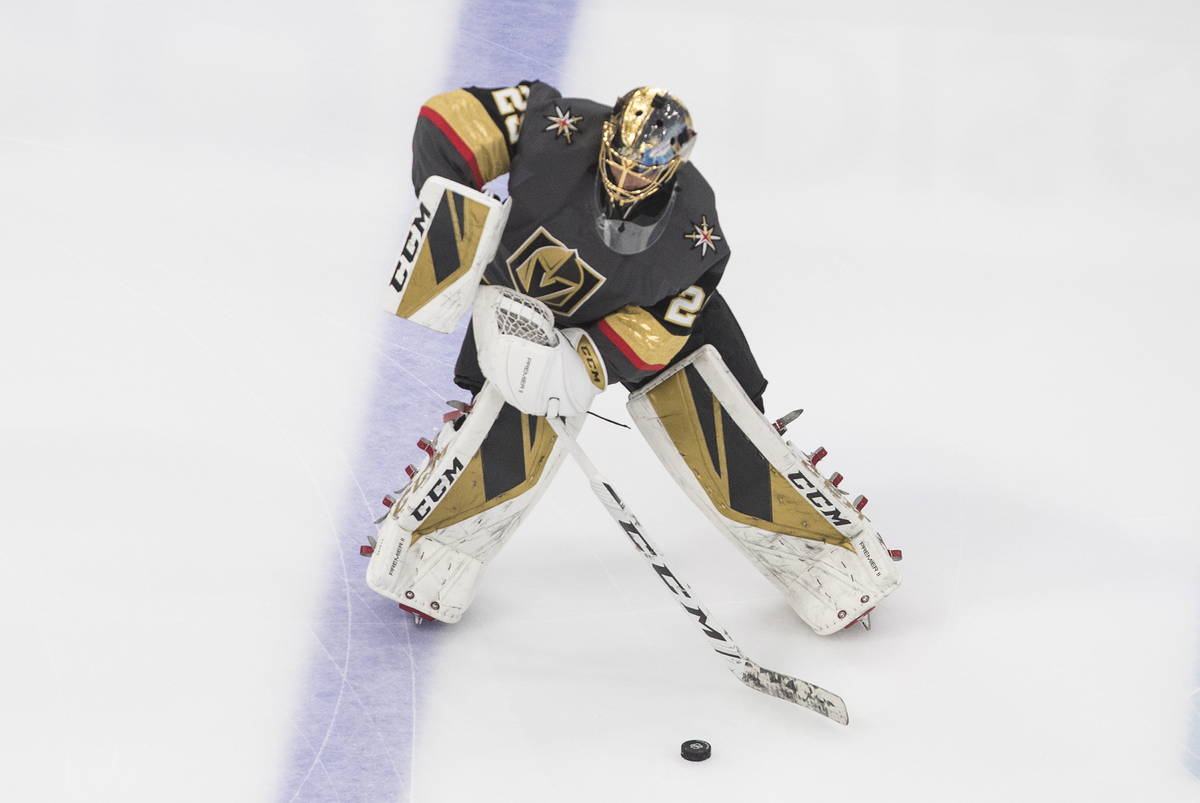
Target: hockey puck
(695, 750)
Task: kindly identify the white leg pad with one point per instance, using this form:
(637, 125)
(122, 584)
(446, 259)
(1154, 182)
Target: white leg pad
(447, 523)
(796, 527)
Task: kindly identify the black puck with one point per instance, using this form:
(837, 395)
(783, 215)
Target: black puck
(695, 750)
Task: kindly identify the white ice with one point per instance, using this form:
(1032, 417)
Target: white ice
(964, 240)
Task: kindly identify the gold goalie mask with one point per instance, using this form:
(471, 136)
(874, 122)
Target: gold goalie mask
(643, 143)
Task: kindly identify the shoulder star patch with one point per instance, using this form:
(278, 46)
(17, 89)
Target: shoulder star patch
(703, 236)
(562, 123)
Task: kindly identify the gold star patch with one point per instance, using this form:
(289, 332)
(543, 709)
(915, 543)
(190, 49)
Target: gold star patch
(562, 123)
(703, 236)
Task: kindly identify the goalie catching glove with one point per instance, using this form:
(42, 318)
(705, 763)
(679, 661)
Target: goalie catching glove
(539, 369)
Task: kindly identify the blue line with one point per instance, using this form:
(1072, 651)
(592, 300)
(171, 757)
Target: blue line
(357, 718)
(1191, 756)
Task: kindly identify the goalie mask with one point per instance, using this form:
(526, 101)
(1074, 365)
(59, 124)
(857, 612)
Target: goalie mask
(643, 143)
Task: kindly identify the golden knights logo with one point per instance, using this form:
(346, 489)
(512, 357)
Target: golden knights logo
(545, 269)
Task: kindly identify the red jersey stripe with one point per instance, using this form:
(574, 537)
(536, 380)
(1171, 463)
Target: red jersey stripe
(455, 140)
(625, 348)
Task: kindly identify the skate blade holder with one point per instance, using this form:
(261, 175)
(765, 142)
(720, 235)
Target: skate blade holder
(819, 454)
(781, 423)
(863, 618)
(457, 411)
(389, 501)
(419, 617)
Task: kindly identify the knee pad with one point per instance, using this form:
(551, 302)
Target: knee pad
(462, 505)
(794, 525)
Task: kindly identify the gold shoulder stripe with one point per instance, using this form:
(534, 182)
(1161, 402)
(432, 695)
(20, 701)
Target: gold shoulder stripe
(466, 115)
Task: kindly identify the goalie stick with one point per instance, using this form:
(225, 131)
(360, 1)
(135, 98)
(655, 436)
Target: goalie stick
(776, 684)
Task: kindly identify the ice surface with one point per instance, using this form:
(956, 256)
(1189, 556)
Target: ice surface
(964, 242)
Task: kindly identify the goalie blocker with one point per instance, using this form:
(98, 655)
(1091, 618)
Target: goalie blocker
(453, 236)
(793, 524)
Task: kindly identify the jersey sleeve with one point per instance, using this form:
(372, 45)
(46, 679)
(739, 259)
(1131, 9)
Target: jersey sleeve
(637, 342)
(469, 135)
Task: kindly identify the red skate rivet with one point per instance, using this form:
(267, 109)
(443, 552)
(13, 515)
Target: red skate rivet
(409, 595)
(836, 479)
(860, 502)
(411, 471)
(388, 501)
(895, 554)
(366, 550)
(841, 614)
(818, 455)
(425, 445)
(453, 415)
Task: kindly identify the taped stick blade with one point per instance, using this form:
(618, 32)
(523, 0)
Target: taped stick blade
(794, 690)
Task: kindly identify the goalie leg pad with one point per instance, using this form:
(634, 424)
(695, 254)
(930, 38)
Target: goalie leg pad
(462, 505)
(797, 528)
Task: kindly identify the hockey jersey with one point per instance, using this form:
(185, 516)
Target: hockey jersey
(640, 307)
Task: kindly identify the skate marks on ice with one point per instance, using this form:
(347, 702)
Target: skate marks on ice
(355, 729)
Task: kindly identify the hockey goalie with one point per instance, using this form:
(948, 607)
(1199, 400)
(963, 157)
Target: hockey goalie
(611, 234)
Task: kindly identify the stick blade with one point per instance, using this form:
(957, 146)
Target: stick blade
(794, 690)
